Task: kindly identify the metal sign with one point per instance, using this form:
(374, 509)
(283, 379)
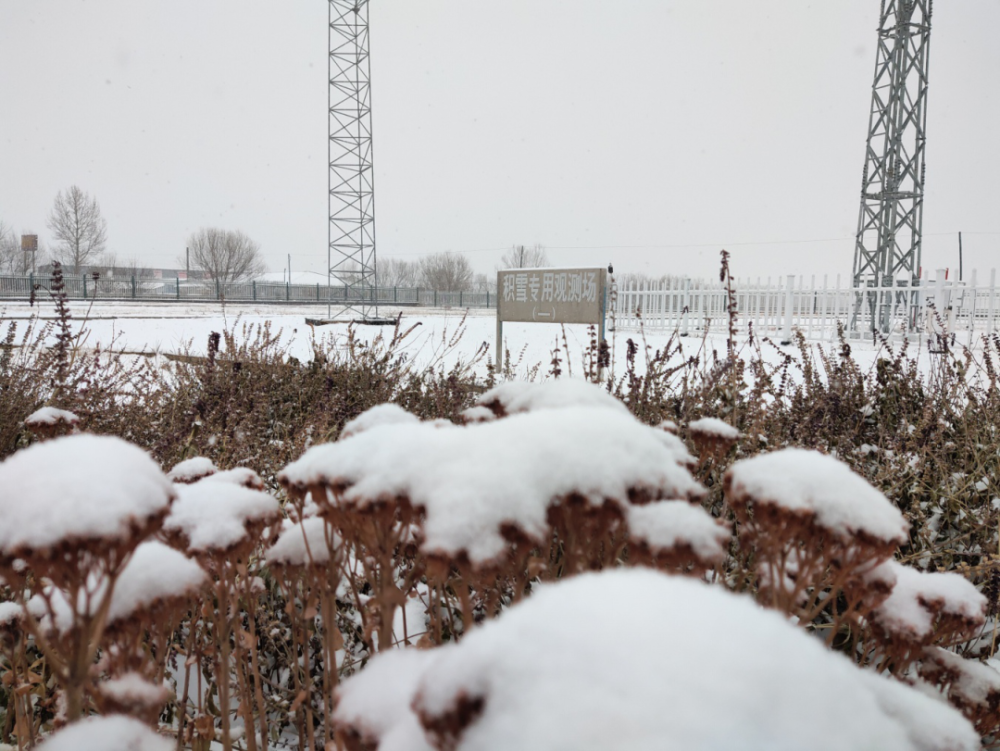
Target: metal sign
(550, 296)
(29, 242)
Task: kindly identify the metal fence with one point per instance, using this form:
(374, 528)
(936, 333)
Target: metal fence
(178, 290)
(816, 309)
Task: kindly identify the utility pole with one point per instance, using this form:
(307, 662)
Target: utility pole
(890, 223)
(959, 256)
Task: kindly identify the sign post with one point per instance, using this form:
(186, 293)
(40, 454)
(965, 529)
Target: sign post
(550, 296)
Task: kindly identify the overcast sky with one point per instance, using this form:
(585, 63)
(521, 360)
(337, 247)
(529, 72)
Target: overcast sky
(647, 132)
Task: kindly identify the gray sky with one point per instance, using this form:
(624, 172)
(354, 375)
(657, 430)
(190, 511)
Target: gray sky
(647, 132)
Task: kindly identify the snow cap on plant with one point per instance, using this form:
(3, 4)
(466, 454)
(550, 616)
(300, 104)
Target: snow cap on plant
(528, 396)
(473, 482)
(214, 517)
(77, 491)
(380, 414)
(49, 422)
(192, 470)
(712, 437)
(683, 679)
(113, 733)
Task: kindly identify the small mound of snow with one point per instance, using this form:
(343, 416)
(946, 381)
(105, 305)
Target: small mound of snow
(112, 733)
(10, 613)
(374, 704)
(974, 683)
(192, 469)
(78, 488)
(134, 689)
(529, 678)
(712, 426)
(803, 481)
(477, 414)
(155, 572)
(303, 544)
(50, 416)
(213, 516)
(382, 414)
(918, 597)
(523, 396)
(672, 525)
(237, 476)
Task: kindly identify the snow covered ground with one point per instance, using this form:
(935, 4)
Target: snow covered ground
(170, 328)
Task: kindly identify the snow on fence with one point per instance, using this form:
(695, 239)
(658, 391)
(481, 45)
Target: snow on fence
(779, 307)
(167, 290)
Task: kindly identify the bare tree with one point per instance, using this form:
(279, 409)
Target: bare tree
(446, 272)
(225, 255)
(523, 257)
(9, 249)
(394, 272)
(79, 229)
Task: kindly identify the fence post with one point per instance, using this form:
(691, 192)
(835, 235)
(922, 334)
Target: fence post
(133, 286)
(177, 288)
(786, 329)
(288, 292)
(218, 294)
(460, 298)
(253, 289)
(993, 287)
(84, 286)
(974, 289)
(31, 289)
(487, 298)
(317, 290)
(435, 298)
(686, 306)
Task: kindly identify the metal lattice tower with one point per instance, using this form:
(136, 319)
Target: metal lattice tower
(351, 253)
(888, 244)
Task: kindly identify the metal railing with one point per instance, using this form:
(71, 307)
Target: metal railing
(817, 310)
(178, 290)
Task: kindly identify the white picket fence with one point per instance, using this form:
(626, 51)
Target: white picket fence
(815, 307)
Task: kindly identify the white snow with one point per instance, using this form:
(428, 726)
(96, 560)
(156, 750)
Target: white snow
(528, 396)
(478, 414)
(78, 488)
(376, 701)
(690, 667)
(213, 516)
(800, 480)
(192, 469)
(975, 681)
(473, 479)
(303, 544)
(909, 610)
(667, 525)
(237, 476)
(111, 733)
(668, 425)
(155, 572)
(715, 427)
(10, 613)
(134, 689)
(381, 414)
(51, 416)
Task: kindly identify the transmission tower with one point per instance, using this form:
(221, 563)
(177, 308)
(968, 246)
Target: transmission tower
(888, 244)
(351, 237)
